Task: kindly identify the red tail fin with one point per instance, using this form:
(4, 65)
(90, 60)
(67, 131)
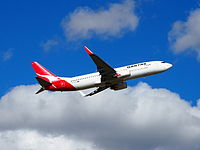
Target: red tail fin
(40, 70)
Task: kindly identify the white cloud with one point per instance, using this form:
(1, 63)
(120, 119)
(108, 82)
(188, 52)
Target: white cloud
(32, 140)
(48, 45)
(8, 54)
(84, 22)
(139, 118)
(185, 36)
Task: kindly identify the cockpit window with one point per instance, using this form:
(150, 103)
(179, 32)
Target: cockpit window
(162, 62)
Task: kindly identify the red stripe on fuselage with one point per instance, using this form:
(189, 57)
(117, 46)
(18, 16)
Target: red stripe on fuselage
(61, 85)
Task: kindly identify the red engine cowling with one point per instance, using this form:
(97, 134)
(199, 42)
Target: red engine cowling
(119, 86)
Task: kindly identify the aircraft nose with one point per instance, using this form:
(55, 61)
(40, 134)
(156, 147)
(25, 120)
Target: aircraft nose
(168, 65)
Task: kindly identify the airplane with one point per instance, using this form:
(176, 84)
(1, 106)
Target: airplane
(106, 77)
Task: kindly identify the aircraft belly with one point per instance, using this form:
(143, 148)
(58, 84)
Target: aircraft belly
(87, 84)
(143, 73)
(138, 73)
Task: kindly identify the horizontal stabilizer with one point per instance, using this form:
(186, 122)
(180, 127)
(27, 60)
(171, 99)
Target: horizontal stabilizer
(43, 82)
(40, 90)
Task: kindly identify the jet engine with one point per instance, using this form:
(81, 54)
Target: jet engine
(119, 86)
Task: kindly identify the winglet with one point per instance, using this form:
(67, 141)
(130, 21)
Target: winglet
(88, 51)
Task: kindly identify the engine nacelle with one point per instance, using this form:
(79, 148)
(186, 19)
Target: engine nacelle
(119, 86)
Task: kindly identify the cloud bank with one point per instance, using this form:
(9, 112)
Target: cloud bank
(32, 140)
(139, 118)
(84, 23)
(185, 36)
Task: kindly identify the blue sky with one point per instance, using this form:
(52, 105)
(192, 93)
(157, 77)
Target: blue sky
(26, 26)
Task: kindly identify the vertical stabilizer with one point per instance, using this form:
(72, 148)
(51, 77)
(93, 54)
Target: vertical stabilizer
(43, 76)
(40, 70)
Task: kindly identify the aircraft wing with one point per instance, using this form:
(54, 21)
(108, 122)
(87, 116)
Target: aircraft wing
(105, 70)
(96, 91)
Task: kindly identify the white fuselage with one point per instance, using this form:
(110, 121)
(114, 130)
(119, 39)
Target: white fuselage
(124, 73)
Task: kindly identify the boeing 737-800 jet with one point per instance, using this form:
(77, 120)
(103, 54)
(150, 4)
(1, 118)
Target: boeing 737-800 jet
(106, 77)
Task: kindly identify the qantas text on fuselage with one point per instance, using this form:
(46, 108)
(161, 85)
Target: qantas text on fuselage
(106, 77)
